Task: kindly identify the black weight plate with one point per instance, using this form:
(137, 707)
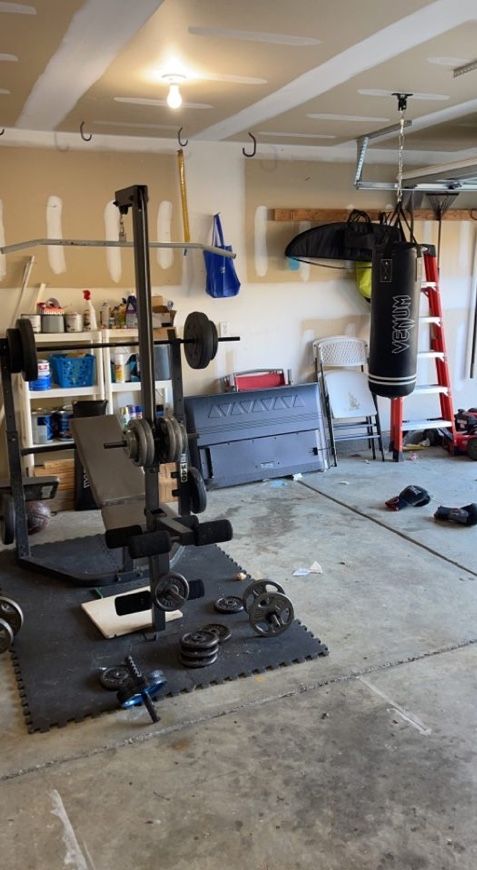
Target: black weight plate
(228, 604)
(6, 636)
(7, 519)
(200, 639)
(15, 352)
(167, 447)
(115, 678)
(198, 492)
(30, 358)
(195, 654)
(215, 339)
(199, 663)
(171, 592)
(258, 587)
(222, 631)
(271, 614)
(12, 613)
(199, 337)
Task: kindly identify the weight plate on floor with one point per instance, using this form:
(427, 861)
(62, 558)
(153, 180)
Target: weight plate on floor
(12, 613)
(201, 639)
(228, 604)
(198, 492)
(7, 519)
(258, 587)
(199, 349)
(30, 359)
(222, 631)
(171, 592)
(271, 614)
(195, 654)
(199, 663)
(6, 636)
(15, 351)
(115, 678)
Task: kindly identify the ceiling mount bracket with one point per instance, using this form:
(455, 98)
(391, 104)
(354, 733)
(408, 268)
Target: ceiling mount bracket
(2, 131)
(402, 100)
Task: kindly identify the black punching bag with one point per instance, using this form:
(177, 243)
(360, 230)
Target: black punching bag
(395, 299)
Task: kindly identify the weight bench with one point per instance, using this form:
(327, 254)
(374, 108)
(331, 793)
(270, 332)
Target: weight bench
(117, 485)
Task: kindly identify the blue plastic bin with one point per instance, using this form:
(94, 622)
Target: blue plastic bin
(77, 371)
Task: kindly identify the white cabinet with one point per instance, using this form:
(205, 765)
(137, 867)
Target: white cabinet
(117, 394)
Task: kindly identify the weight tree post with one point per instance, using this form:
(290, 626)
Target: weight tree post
(136, 198)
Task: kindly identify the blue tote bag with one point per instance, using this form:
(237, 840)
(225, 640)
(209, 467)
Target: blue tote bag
(221, 277)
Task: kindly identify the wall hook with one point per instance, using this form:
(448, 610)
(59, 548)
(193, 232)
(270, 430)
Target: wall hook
(2, 131)
(82, 133)
(182, 143)
(254, 149)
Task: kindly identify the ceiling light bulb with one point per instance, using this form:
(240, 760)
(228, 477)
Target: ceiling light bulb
(174, 97)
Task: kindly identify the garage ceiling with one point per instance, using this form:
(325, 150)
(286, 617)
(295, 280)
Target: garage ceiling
(307, 72)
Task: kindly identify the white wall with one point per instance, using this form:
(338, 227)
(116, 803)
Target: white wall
(277, 322)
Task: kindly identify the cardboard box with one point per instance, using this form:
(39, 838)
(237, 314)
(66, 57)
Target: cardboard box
(64, 469)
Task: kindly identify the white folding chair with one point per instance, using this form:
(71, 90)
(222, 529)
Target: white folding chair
(351, 408)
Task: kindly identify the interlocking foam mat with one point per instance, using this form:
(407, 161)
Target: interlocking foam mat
(58, 653)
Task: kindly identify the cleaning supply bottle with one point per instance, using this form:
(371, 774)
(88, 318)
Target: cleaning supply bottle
(131, 312)
(89, 314)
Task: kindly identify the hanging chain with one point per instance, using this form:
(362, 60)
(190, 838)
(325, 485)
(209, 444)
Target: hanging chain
(400, 157)
(122, 229)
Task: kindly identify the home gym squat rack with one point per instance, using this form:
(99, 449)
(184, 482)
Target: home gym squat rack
(18, 354)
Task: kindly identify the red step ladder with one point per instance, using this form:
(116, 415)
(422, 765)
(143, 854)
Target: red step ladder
(438, 352)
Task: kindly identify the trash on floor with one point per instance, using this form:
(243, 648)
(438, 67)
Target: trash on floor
(315, 568)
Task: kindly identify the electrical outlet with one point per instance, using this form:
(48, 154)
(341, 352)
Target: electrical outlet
(224, 329)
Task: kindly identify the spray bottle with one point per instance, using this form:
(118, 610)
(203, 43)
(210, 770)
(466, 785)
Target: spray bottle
(89, 314)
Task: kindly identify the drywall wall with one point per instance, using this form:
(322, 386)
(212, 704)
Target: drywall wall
(277, 313)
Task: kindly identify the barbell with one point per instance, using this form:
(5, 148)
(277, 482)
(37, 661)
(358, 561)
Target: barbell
(200, 345)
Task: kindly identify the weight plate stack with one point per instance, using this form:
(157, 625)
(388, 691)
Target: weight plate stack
(199, 649)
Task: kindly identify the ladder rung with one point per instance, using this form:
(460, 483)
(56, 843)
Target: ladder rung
(410, 425)
(431, 354)
(431, 388)
(430, 319)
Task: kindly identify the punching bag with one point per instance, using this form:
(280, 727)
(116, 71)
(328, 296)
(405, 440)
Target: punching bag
(397, 269)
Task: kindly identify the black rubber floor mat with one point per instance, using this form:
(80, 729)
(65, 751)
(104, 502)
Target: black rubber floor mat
(58, 653)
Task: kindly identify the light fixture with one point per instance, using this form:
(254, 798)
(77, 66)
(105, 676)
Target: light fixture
(174, 97)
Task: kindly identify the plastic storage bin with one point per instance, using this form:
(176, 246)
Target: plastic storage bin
(78, 371)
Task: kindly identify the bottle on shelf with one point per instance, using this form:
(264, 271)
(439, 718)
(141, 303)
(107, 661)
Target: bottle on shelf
(89, 314)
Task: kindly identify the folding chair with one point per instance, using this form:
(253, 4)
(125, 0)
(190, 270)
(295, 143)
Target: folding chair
(351, 407)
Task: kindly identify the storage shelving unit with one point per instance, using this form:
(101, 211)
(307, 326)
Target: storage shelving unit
(104, 388)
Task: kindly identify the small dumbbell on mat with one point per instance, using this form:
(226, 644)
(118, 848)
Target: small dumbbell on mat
(137, 688)
(199, 649)
(11, 621)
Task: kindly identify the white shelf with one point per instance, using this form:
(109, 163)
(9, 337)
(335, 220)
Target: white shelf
(59, 392)
(131, 386)
(66, 337)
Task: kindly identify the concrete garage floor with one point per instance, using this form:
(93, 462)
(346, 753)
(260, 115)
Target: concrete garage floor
(364, 760)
